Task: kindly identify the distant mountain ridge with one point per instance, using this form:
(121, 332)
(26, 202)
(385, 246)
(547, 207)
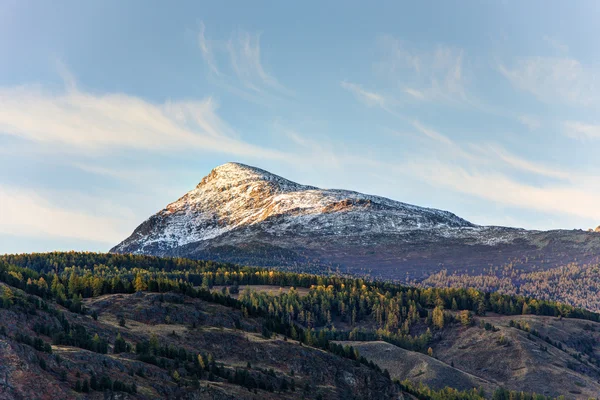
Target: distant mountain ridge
(245, 214)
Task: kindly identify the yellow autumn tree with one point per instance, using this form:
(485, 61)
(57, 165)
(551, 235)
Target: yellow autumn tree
(7, 296)
(139, 284)
(438, 317)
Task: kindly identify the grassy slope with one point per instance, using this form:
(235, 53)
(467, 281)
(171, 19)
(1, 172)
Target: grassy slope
(416, 367)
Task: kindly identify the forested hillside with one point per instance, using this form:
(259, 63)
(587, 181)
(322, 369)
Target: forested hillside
(156, 327)
(573, 284)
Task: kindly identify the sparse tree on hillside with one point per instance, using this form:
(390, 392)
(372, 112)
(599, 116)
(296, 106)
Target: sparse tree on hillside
(120, 345)
(438, 317)
(466, 318)
(7, 297)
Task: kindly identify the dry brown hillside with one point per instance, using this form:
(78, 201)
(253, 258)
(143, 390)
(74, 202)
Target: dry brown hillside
(553, 358)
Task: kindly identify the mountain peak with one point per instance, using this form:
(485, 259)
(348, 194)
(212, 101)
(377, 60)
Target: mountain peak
(235, 197)
(239, 168)
(236, 174)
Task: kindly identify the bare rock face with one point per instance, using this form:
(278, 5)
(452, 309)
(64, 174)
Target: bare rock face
(244, 214)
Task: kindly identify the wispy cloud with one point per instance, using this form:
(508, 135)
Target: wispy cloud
(26, 213)
(206, 48)
(484, 155)
(367, 97)
(97, 123)
(581, 130)
(244, 53)
(485, 168)
(556, 198)
(417, 94)
(556, 44)
(436, 75)
(321, 151)
(238, 61)
(530, 122)
(432, 134)
(494, 153)
(554, 80)
(489, 171)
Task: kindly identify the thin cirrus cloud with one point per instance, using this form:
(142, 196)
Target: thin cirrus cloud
(488, 171)
(498, 187)
(477, 154)
(581, 130)
(556, 44)
(484, 168)
(97, 123)
(558, 80)
(25, 212)
(435, 75)
(554, 80)
(236, 63)
(415, 93)
(367, 97)
(530, 122)
(487, 155)
(207, 50)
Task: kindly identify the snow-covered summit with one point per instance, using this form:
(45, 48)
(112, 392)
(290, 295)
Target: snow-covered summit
(235, 174)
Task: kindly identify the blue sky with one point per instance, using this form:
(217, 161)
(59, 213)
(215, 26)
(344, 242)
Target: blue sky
(110, 110)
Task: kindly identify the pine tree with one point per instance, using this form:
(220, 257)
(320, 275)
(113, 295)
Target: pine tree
(481, 308)
(7, 297)
(93, 382)
(438, 317)
(73, 283)
(454, 304)
(96, 343)
(153, 344)
(120, 344)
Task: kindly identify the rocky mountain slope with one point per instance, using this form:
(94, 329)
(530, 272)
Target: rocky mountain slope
(244, 214)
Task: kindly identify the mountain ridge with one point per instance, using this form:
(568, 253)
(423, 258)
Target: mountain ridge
(235, 195)
(245, 214)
